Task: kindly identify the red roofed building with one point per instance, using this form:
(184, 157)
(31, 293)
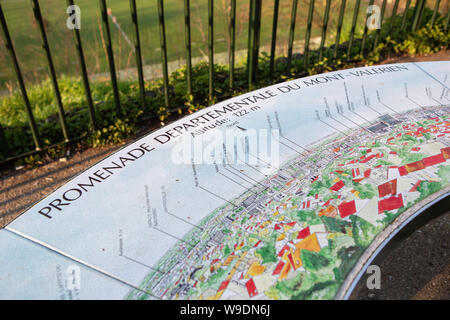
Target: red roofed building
(390, 203)
(368, 158)
(303, 233)
(402, 170)
(432, 160)
(286, 247)
(414, 188)
(223, 285)
(337, 186)
(387, 188)
(251, 288)
(356, 172)
(367, 173)
(278, 268)
(446, 153)
(347, 208)
(415, 166)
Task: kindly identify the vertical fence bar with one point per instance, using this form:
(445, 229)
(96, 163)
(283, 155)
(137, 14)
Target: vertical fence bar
(137, 50)
(339, 28)
(417, 10)
(84, 75)
(256, 35)
(109, 51)
(45, 46)
(405, 15)
(232, 41)
(162, 38)
(187, 43)
(3, 143)
(308, 34)
(324, 29)
(26, 101)
(377, 35)
(251, 43)
(255, 41)
(249, 39)
(352, 31)
(436, 9)
(211, 47)
(274, 39)
(291, 34)
(421, 12)
(394, 13)
(447, 20)
(366, 28)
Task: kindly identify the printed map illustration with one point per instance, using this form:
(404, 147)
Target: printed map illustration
(274, 194)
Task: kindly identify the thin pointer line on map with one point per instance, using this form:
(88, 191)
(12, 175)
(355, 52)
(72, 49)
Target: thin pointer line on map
(247, 176)
(171, 235)
(430, 75)
(185, 221)
(240, 173)
(379, 100)
(361, 117)
(261, 173)
(217, 196)
(247, 189)
(416, 103)
(355, 123)
(339, 122)
(249, 182)
(282, 134)
(142, 264)
(333, 127)
(64, 254)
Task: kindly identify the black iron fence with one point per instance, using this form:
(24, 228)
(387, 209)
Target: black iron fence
(253, 49)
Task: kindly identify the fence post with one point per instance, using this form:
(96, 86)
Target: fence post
(308, 34)
(436, 9)
(109, 51)
(421, 11)
(137, 50)
(417, 11)
(352, 31)
(377, 35)
(394, 13)
(339, 28)
(84, 76)
(162, 38)
(405, 14)
(254, 42)
(291, 34)
(249, 38)
(232, 41)
(45, 46)
(276, 7)
(187, 42)
(366, 28)
(3, 143)
(324, 29)
(26, 101)
(447, 20)
(211, 47)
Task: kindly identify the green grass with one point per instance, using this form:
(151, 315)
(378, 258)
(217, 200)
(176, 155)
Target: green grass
(26, 36)
(112, 129)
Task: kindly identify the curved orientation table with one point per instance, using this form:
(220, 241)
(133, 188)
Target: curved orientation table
(287, 192)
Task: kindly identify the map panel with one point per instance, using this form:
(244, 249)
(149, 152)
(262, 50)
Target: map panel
(274, 194)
